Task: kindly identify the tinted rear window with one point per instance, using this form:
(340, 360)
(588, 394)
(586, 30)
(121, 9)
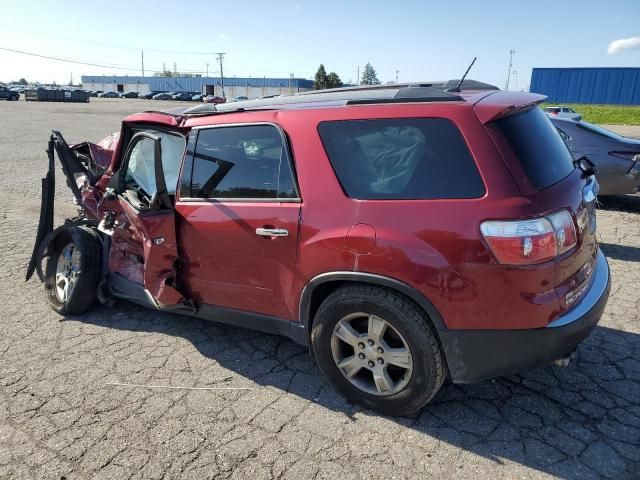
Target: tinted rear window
(538, 146)
(401, 159)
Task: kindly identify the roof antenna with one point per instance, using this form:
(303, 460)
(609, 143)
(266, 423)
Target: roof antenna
(457, 87)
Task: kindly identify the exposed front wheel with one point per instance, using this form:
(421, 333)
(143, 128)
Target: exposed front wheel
(378, 349)
(73, 270)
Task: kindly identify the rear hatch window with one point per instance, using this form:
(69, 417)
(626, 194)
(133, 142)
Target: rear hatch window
(401, 159)
(539, 148)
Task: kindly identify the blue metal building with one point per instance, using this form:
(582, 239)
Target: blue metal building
(619, 86)
(248, 86)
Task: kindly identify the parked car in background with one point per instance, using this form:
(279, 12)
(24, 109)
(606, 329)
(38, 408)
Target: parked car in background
(616, 158)
(213, 99)
(129, 94)
(563, 112)
(109, 95)
(415, 256)
(148, 95)
(164, 95)
(197, 97)
(7, 94)
(239, 98)
(182, 96)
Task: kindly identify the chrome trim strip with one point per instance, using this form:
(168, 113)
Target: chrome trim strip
(238, 200)
(599, 282)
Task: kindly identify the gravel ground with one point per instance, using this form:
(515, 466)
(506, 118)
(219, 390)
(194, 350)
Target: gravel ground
(64, 412)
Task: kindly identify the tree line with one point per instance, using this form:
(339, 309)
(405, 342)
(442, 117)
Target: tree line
(332, 80)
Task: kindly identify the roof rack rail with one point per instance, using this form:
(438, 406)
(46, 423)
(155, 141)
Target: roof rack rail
(414, 92)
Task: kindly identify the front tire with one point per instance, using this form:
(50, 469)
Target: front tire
(378, 349)
(73, 270)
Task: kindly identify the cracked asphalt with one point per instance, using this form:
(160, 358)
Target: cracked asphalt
(85, 396)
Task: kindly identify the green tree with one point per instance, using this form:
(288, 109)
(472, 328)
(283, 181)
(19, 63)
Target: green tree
(369, 76)
(321, 78)
(165, 73)
(333, 80)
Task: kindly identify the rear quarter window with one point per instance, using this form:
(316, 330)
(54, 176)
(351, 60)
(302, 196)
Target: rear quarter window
(538, 147)
(401, 159)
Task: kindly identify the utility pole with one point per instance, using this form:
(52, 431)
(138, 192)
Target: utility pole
(220, 58)
(175, 68)
(207, 69)
(358, 76)
(511, 52)
(515, 74)
(142, 61)
(397, 72)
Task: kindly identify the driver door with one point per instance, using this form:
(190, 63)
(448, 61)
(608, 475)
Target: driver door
(144, 248)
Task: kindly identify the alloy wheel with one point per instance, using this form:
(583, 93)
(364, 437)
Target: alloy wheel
(371, 354)
(67, 272)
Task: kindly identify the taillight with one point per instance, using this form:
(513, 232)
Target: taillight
(527, 242)
(624, 155)
(565, 231)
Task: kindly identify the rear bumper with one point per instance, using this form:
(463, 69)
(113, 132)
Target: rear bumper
(474, 355)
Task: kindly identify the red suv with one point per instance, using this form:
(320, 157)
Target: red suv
(406, 233)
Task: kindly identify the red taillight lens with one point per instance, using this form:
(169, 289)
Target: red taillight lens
(527, 242)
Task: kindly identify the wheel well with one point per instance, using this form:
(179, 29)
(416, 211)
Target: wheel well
(323, 290)
(318, 295)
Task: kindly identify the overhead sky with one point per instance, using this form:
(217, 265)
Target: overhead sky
(422, 40)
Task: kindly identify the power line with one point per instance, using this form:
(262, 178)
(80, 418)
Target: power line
(80, 62)
(93, 42)
(132, 67)
(68, 60)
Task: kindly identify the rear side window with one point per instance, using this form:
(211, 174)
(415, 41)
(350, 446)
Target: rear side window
(242, 162)
(536, 143)
(401, 159)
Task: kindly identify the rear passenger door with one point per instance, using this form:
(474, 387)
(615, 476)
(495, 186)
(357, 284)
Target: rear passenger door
(237, 216)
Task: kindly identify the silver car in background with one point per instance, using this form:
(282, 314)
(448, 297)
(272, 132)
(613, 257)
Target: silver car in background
(616, 158)
(563, 112)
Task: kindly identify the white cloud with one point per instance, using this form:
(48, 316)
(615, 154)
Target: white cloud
(223, 37)
(618, 46)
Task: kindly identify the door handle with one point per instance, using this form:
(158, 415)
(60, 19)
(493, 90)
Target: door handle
(272, 232)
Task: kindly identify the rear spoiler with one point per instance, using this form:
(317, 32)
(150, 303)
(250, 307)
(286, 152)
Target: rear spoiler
(501, 104)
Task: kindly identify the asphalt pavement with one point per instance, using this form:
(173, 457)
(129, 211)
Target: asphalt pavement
(127, 392)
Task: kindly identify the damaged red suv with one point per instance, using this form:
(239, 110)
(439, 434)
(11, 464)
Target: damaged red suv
(406, 233)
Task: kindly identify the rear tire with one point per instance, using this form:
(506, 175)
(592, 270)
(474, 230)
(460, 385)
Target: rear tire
(378, 349)
(73, 270)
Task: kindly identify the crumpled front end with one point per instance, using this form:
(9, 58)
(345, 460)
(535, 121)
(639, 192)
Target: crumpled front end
(83, 165)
